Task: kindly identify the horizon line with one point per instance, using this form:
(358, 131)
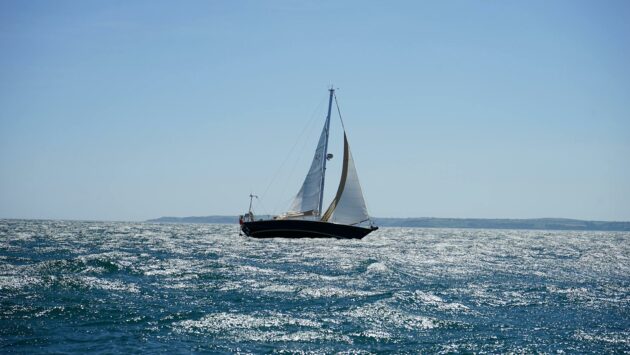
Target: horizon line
(236, 216)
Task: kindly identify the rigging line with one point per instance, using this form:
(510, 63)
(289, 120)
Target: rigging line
(367, 208)
(301, 137)
(344, 130)
(284, 202)
(365, 220)
(291, 173)
(263, 207)
(304, 129)
(339, 112)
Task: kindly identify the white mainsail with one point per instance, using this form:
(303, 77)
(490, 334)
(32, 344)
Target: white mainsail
(348, 206)
(307, 200)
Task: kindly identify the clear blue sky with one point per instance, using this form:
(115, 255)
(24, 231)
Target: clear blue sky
(127, 110)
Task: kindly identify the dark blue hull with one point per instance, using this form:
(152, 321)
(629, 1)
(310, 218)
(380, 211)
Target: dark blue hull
(303, 229)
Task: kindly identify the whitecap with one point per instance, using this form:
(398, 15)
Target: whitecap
(384, 315)
(279, 288)
(325, 292)
(223, 321)
(102, 284)
(429, 299)
(377, 268)
(16, 282)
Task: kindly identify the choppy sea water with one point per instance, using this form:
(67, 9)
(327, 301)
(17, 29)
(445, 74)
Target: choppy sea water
(132, 287)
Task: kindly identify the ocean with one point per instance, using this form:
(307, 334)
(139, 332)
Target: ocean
(114, 287)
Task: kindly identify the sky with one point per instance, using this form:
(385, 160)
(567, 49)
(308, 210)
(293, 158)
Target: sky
(130, 110)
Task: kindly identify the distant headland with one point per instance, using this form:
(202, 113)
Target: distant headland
(428, 222)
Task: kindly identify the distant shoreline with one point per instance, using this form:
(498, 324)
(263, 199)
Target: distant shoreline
(429, 222)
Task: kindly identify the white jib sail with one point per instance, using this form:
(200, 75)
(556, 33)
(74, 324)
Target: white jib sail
(348, 206)
(307, 199)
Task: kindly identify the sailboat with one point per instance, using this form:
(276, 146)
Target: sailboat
(345, 217)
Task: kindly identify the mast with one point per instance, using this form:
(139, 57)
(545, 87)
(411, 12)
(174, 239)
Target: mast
(321, 190)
